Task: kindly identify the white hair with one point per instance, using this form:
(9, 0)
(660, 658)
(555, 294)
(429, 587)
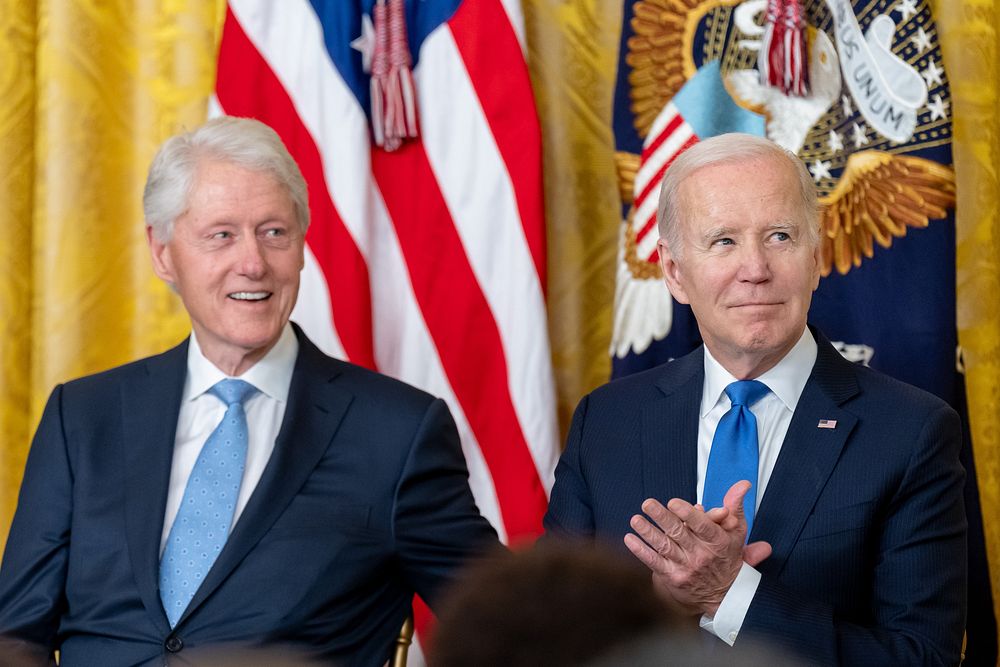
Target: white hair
(243, 142)
(733, 148)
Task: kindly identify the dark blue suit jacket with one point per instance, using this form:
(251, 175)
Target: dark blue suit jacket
(866, 519)
(364, 501)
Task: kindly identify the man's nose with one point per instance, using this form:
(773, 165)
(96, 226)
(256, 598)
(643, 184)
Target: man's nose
(754, 267)
(251, 259)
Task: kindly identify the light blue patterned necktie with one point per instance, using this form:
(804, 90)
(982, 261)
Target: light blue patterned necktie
(206, 513)
(735, 453)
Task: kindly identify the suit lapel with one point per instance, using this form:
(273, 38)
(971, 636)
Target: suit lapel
(315, 408)
(150, 400)
(808, 454)
(670, 431)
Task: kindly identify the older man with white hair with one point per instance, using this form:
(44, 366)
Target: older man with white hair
(242, 488)
(788, 496)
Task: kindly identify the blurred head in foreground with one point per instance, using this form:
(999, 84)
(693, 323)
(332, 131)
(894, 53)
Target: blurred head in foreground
(553, 605)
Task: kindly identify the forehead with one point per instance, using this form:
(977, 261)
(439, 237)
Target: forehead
(764, 189)
(220, 186)
(218, 173)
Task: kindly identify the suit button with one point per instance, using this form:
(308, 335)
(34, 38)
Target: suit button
(173, 644)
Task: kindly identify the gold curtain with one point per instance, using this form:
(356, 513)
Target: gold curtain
(88, 90)
(573, 53)
(970, 39)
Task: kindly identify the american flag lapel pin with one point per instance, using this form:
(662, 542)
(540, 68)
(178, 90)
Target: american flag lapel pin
(827, 423)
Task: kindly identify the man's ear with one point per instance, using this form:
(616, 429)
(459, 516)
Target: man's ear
(672, 275)
(159, 251)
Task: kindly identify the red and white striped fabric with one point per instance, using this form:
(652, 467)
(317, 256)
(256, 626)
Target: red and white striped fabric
(669, 136)
(426, 263)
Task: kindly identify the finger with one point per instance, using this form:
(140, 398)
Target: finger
(734, 500)
(650, 558)
(717, 514)
(656, 538)
(670, 522)
(698, 523)
(756, 553)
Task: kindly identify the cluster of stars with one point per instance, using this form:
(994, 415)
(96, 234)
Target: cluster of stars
(857, 133)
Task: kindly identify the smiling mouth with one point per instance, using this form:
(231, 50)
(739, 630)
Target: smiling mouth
(250, 296)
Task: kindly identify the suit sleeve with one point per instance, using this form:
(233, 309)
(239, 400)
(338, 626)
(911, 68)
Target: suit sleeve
(918, 573)
(570, 513)
(437, 527)
(33, 574)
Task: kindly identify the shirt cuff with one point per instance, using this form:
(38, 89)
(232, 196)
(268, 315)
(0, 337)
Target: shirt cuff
(729, 617)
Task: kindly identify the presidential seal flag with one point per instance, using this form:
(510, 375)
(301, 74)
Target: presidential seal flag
(415, 126)
(859, 91)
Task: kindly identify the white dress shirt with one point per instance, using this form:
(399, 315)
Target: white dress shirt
(201, 412)
(786, 380)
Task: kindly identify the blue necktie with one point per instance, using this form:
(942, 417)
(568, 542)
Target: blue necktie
(735, 453)
(206, 512)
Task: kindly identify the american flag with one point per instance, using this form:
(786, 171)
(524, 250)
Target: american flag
(427, 262)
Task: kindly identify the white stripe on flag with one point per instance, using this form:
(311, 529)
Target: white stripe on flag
(477, 189)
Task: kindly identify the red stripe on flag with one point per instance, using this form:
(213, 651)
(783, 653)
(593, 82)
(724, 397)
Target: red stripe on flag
(655, 181)
(671, 127)
(492, 55)
(461, 324)
(246, 86)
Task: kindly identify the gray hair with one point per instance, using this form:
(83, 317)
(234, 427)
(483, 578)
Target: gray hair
(243, 142)
(729, 149)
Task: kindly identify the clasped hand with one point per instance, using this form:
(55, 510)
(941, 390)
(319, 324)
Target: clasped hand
(695, 555)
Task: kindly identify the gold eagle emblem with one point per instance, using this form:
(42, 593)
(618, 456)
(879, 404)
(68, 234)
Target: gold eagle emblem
(879, 195)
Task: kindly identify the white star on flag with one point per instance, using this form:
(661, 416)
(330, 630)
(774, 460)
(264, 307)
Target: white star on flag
(835, 142)
(365, 43)
(845, 102)
(820, 170)
(938, 108)
(859, 136)
(906, 9)
(932, 74)
(921, 40)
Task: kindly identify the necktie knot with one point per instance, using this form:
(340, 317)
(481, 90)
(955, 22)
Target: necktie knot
(746, 392)
(231, 391)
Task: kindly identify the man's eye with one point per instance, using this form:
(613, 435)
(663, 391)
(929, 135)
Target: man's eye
(782, 236)
(222, 235)
(273, 233)
(723, 241)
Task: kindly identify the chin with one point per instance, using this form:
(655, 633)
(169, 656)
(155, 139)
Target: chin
(256, 340)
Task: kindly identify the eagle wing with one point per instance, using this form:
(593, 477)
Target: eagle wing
(657, 56)
(878, 197)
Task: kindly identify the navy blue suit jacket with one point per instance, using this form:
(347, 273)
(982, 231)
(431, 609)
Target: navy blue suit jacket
(365, 500)
(866, 519)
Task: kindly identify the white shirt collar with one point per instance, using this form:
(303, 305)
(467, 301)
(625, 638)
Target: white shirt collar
(272, 375)
(786, 379)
